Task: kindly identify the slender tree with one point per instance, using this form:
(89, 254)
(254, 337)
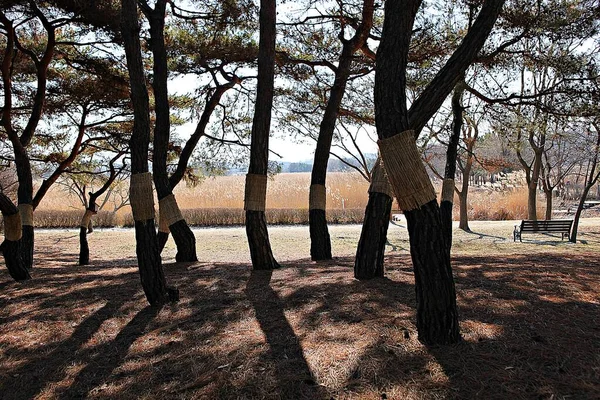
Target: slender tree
(91, 209)
(320, 241)
(21, 142)
(256, 180)
(142, 201)
(182, 234)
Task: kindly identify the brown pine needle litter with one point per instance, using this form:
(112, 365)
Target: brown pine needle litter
(530, 320)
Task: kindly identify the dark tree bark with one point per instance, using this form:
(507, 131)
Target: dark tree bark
(148, 255)
(592, 177)
(548, 194)
(20, 143)
(84, 249)
(182, 234)
(256, 222)
(437, 316)
(450, 170)
(11, 249)
(320, 241)
(368, 265)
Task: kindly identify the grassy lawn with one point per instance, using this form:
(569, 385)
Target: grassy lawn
(530, 320)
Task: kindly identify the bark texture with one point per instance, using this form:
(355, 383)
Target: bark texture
(446, 205)
(182, 234)
(84, 247)
(148, 255)
(437, 316)
(256, 222)
(368, 265)
(320, 241)
(11, 249)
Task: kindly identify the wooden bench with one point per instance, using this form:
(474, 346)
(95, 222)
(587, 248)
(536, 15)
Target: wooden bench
(562, 226)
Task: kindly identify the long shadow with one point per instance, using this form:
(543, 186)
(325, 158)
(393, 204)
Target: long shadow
(110, 355)
(290, 367)
(482, 235)
(529, 333)
(30, 379)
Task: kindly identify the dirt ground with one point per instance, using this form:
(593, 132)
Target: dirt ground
(530, 320)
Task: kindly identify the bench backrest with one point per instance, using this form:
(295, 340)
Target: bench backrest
(554, 225)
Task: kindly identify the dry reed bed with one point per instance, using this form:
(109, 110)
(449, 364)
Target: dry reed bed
(219, 202)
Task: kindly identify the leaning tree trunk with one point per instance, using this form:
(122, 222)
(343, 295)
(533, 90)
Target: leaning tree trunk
(437, 315)
(141, 198)
(170, 213)
(463, 222)
(548, 194)
(373, 230)
(86, 220)
(320, 241)
(582, 199)
(256, 180)
(11, 247)
(447, 199)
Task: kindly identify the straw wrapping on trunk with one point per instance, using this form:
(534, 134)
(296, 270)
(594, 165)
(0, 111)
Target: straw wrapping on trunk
(13, 230)
(317, 198)
(255, 195)
(87, 217)
(169, 211)
(26, 211)
(379, 180)
(406, 171)
(448, 190)
(140, 196)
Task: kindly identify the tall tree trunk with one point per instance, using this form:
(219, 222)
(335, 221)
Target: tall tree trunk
(463, 223)
(142, 202)
(532, 202)
(548, 193)
(182, 234)
(447, 199)
(20, 144)
(25, 197)
(532, 187)
(11, 247)
(437, 316)
(256, 180)
(575, 228)
(373, 237)
(320, 241)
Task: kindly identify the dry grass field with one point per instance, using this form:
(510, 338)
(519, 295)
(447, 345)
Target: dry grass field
(219, 201)
(530, 320)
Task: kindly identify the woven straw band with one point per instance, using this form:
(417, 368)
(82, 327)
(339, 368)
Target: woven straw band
(317, 198)
(26, 211)
(379, 180)
(87, 217)
(448, 190)
(169, 211)
(256, 192)
(406, 171)
(140, 196)
(13, 230)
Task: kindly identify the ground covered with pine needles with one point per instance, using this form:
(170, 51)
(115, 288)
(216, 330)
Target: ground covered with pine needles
(530, 320)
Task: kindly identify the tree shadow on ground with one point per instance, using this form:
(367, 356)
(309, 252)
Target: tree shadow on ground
(530, 327)
(109, 356)
(291, 369)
